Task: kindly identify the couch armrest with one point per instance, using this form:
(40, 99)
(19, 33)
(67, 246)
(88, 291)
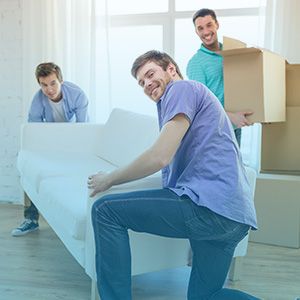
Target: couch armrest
(151, 182)
(71, 137)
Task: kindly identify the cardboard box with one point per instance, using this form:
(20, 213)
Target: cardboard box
(280, 146)
(278, 210)
(254, 79)
(292, 84)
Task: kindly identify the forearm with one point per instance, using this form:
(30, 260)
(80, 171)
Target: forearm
(146, 164)
(152, 160)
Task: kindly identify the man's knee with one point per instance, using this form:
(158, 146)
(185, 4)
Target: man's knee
(100, 210)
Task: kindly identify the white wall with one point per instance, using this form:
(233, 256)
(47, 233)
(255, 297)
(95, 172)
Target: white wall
(11, 114)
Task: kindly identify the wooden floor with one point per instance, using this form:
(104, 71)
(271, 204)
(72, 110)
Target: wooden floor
(38, 267)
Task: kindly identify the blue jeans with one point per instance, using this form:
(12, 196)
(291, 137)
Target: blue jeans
(213, 239)
(31, 212)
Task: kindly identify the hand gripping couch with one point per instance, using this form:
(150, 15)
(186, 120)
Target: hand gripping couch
(54, 162)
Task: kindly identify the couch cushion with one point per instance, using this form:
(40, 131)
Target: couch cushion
(126, 135)
(63, 200)
(36, 166)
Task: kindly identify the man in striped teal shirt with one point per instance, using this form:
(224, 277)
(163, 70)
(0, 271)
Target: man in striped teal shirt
(206, 66)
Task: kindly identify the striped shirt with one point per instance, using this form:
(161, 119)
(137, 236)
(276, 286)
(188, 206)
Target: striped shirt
(207, 67)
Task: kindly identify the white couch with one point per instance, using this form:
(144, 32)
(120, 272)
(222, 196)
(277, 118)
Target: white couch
(54, 162)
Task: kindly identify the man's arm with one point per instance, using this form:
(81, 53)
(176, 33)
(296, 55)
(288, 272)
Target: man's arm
(81, 111)
(36, 111)
(159, 155)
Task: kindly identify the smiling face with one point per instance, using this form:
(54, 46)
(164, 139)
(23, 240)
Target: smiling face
(51, 87)
(154, 80)
(206, 28)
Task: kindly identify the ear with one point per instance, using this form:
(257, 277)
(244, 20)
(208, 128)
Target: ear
(171, 69)
(217, 24)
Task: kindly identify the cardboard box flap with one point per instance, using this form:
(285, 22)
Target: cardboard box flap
(240, 51)
(230, 43)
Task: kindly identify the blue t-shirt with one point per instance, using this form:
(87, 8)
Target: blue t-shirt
(207, 166)
(207, 67)
(75, 105)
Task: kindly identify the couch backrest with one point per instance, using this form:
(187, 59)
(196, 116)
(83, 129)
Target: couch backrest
(126, 135)
(61, 137)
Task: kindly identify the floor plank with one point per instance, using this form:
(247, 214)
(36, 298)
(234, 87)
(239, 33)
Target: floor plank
(38, 267)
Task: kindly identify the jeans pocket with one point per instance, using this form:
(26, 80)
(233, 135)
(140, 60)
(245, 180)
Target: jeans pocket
(199, 229)
(204, 224)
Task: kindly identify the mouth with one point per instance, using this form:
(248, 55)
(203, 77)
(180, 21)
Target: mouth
(51, 96)
(208, 38)
(154, 91)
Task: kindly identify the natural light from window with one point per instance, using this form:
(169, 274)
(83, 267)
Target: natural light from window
(135, 26)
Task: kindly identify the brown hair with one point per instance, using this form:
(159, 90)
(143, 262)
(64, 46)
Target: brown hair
(162, 59)
(45, 69)
(204, 12)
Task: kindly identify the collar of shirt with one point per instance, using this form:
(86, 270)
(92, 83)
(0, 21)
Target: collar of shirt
(166, 91)
(204, 49)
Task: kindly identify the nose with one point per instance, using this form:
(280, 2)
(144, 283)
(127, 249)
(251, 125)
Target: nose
(49, 89)
(147, 84)
(205, 31)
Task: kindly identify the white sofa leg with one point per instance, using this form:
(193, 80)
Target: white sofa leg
(235, 268)
(94, 291)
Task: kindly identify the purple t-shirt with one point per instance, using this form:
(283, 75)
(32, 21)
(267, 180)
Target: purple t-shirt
(207, 166)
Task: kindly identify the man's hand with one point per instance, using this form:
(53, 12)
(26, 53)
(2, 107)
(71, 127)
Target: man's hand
(99, 182)
(239, 119)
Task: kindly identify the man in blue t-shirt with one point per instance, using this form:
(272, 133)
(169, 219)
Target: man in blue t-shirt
(55, 101)
(206, 66)
(205, 197)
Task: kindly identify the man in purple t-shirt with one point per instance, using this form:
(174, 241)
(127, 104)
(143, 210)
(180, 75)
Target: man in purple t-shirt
(205, 198)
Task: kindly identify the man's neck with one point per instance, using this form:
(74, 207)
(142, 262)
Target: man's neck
(214, 48)
(57, 99)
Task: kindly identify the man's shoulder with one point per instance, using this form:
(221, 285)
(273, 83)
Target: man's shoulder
(196, 63)
(196, 57)
(71, 86)
(185, 87)
(179, 84)
(38, 96)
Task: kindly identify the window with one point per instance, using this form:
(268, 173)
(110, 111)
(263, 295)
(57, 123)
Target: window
(117, 7)
(183, 5)
(126, 44)
(135, 26)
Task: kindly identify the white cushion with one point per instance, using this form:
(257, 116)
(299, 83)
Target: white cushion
(36, 166)
(65, 200)
(126, 135)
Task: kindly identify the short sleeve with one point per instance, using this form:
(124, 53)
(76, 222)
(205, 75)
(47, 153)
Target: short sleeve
(180, 98)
